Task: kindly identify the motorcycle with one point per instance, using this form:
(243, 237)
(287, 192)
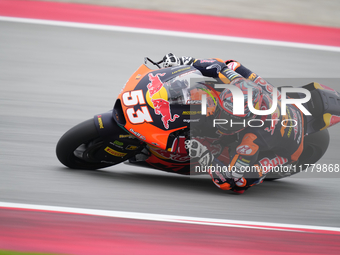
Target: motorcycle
(154, 114)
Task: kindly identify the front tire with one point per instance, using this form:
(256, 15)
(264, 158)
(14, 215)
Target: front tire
(77, 147)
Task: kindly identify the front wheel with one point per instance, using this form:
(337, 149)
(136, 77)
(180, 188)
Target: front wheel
(77, 148)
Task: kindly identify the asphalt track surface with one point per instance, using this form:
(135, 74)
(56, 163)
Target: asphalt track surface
(54, 77)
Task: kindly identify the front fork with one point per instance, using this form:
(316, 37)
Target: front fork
(116, 142)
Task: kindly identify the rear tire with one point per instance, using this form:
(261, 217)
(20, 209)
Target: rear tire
(314, 147)
(77, 146)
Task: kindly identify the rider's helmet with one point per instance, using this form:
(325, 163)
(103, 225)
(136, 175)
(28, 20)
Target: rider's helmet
(231, 123)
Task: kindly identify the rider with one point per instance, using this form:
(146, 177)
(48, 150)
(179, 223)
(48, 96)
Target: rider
(271, 142)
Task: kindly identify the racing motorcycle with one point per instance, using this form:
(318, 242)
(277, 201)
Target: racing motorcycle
(154, 114)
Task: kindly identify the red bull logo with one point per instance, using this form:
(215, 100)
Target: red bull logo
(328, 88)
(334, 119)
(162, 107)
(274, 121)
(178, 152)
(155, 83)
(268, 164)
(330, 120)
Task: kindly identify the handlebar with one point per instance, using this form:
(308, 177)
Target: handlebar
(146, 59)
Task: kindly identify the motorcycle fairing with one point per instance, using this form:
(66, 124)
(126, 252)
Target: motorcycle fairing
(153, 103)
(114, 141)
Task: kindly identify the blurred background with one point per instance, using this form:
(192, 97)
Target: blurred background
(312, 12)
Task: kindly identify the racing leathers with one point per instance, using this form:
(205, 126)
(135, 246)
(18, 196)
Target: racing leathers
(266, 143)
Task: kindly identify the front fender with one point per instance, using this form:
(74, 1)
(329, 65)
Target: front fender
(116, 142)
(106, 125)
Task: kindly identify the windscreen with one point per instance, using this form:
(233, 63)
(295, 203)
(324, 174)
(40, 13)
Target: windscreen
(188, 88)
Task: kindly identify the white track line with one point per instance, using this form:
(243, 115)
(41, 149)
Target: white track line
(173, 33)
(172, 218)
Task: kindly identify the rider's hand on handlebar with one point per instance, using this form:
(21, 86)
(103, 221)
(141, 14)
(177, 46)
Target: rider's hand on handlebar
(170, 60)
(198, 150)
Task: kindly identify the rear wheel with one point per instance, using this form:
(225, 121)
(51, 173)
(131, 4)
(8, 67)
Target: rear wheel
(314, 147)
(77, 148)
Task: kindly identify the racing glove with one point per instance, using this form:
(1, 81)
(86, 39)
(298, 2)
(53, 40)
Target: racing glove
(219, 173)
(198, 150)
(170, 60)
